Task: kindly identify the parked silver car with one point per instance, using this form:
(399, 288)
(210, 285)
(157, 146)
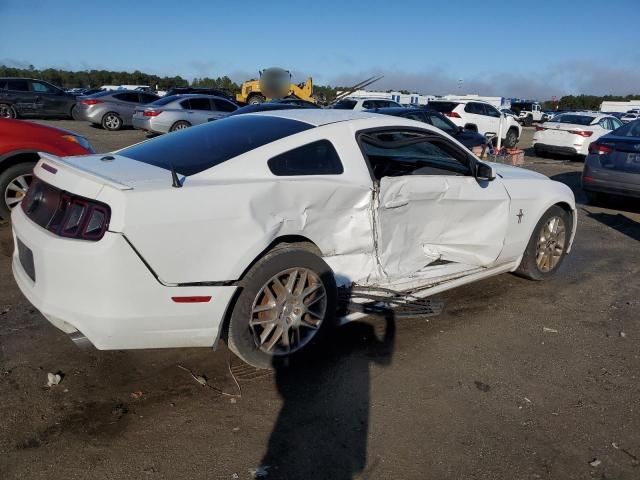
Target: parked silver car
(113, 109)
(180, 111)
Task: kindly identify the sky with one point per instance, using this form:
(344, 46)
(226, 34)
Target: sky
(529, 49)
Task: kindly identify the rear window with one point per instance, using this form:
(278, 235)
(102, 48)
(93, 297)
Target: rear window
(164, 100)
(196, 149)
(345, 105)
(575, 119)
(443, 107)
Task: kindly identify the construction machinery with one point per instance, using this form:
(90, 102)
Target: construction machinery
(274, 83)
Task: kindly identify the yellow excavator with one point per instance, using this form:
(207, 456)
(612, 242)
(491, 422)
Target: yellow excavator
(274, 83)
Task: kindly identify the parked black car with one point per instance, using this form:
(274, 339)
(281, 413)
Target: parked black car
(468, 138)
(200, 90)
(28, 97)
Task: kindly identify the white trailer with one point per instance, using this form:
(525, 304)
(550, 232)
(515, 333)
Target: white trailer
(622, 107)
(407, 99)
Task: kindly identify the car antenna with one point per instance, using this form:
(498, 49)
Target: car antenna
(175, 181)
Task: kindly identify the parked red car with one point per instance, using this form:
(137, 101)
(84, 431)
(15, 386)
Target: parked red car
(20, 142)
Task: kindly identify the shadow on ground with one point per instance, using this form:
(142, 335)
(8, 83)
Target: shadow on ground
(322, 429)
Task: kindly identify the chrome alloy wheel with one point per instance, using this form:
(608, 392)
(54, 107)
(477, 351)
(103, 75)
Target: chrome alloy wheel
(112, 122)
(551, 244)
(16, 190)
(288, 311)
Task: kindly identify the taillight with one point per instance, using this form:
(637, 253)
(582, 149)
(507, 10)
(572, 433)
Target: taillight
(599, 149)
(539, 128)
(91, 101)
(452, 114)
(151, 113)
(582, 133)
(80, 218)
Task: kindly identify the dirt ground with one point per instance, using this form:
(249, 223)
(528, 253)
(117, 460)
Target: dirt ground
(514, 380)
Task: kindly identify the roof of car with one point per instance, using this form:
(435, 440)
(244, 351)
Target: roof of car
(318, 116)
(400, 110)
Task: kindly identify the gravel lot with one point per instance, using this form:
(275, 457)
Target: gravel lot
(514, 380)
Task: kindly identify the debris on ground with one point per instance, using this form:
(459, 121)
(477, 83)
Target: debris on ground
(119, 410)
(202, 380)
(623, 335)
(527, 400)
(4, 311)
(483, 387)
(549, 330)
(53, 379)
(235, 476)
(260, 472)
(136, 395)
(595, 463)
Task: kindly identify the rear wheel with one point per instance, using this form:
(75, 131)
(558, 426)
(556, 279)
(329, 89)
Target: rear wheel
(548, 245)
(181, 125)
(528, 120)
(14, 183)
(7, 111)
(287, 303)
(111, 121)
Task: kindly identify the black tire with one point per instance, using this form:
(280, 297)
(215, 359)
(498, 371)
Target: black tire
(539, 152)
(111, 121)
(240, 337)
(511, 140)
(7, 111)
(256, 99)
(72, 112)
(179, 125)
(6, 178)
(528, 121)
(529, 266)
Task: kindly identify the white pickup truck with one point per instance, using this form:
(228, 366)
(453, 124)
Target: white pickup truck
(527, 112)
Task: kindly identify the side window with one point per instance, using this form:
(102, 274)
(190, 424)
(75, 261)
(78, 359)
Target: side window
(127, 97)
(490, 111)
(605, 123)
(200, 103)
(3, 84)
(40, 87)
(616, 123)
(438, 122)
(185, 104)
(415, 116)
(18, 85)
(223, 105)
(369, 104)
(317, 158)
(474, 108)
(395, 154)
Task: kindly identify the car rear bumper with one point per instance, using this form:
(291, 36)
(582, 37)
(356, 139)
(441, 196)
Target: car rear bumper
(140, 123)
(103, 290)
(594, 184)
(561, 150)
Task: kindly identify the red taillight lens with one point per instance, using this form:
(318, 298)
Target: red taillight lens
(582, 133)
(80, 218)
(151, 113)
(599, 149)
(91, 101)
(452, 114)
(539, 128)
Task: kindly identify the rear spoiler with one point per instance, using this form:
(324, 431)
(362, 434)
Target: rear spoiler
(52, 163)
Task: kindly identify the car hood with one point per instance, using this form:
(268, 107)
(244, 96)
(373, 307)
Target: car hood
(508, 172)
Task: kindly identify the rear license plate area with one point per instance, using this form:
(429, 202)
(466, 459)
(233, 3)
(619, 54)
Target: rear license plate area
(26, 260)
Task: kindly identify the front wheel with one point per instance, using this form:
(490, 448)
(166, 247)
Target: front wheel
(547, 246)
(14, 183)
(511, 140)
(7, 111)
(287, 302)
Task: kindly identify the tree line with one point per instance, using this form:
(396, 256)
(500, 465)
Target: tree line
(97, 78)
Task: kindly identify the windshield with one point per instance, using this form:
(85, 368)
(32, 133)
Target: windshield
(575, 119)
(196, 149)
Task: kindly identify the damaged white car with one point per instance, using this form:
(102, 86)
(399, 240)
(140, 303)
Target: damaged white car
(262, 228)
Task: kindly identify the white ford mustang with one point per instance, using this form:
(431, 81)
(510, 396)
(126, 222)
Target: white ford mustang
(253, 228)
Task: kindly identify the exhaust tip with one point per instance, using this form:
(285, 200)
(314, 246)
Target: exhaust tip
(80, 340)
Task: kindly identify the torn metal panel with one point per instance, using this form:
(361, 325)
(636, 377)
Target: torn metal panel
(422, 219)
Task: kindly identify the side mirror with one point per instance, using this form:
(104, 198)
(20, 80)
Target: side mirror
(484, 172)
